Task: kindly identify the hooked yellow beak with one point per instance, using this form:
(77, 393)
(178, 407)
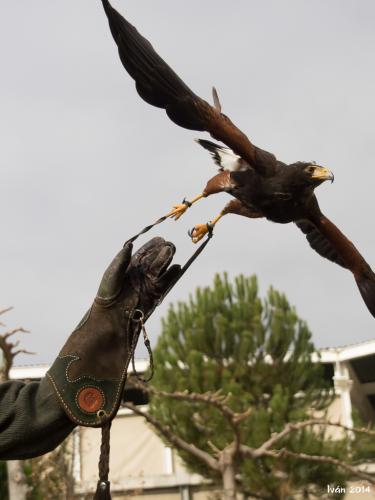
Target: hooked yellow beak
(322, 174)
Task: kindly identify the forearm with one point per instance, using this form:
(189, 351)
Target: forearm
(86, 381)
(31, 420)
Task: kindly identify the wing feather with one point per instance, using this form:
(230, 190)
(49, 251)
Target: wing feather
(327, 239)
(160, 86)
(319, 243)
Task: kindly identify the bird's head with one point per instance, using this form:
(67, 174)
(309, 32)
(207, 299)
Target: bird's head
(312, 175)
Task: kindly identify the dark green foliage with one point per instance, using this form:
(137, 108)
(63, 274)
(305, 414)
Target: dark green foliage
(362, 446)
(3, 481)
(259, 351)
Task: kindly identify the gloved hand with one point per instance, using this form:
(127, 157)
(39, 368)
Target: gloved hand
(90, 372)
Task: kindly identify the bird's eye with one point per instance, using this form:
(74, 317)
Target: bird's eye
(310, 169)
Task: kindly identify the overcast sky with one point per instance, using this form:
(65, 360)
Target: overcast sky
(85, 163)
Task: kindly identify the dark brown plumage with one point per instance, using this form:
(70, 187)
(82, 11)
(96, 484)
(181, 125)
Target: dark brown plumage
(262, 185)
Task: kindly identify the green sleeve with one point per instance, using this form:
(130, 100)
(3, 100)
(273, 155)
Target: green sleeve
(31, 420)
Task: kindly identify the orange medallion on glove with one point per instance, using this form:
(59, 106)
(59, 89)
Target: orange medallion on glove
(90, 399)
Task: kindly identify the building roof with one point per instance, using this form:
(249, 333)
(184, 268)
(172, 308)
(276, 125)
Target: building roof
(37, 371)
(347, 352)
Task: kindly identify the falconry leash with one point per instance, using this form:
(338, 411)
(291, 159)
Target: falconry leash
(190, 260)
(172, 284)
(103, 487)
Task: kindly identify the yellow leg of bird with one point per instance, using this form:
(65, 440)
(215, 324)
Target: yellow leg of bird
(179, 210)
(200, 230)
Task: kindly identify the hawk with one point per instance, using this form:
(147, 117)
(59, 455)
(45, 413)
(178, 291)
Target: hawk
(260, 184)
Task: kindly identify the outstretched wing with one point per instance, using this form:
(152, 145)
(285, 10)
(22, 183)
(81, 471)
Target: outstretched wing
(159, 85)
(326, 239)
(319, 243)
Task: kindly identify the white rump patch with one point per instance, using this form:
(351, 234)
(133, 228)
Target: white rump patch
(228, 160)
(223, 156)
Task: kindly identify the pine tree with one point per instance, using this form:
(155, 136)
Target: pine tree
(260, 353)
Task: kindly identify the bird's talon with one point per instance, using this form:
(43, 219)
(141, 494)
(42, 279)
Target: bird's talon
(199, 231)
(178, 210)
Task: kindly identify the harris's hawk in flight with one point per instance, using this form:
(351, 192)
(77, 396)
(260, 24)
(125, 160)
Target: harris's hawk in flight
(261, 185)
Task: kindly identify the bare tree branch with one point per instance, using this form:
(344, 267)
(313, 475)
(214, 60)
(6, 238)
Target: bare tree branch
(23, 351)
(215, 450)
(9, 348)
(13, 332)
(322, 459)
(239, 417)
(3, 311)
(212, 398)
(176, 440)
(275, 437)
(7, 309)
(300, 425)
(255, 453)
(359, 430)
(215, 399)
(264, 449)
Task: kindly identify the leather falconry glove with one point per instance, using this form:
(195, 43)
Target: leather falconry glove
(90, 372)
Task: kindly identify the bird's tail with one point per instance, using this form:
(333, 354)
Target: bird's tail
(223, 157)
(366, 285)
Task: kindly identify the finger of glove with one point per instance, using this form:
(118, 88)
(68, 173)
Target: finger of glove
(153, 257)
(113, 277)
(169, 278)
(152, 246)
